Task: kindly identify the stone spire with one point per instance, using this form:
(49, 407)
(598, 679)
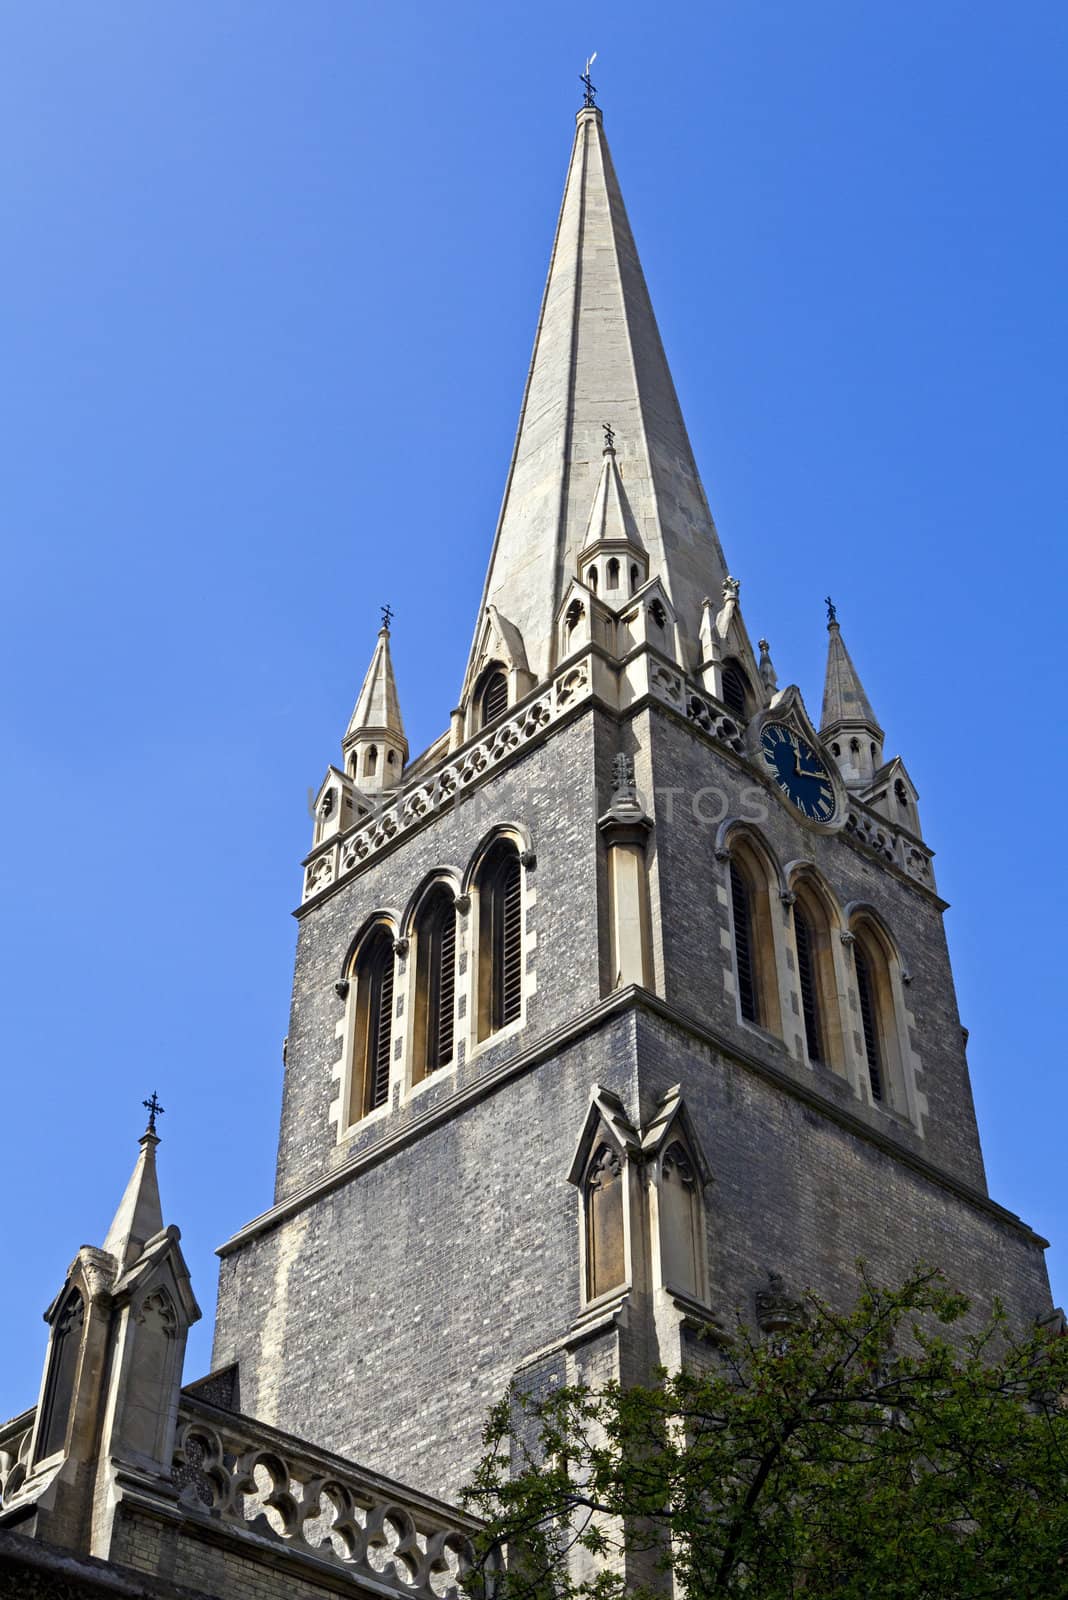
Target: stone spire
(597, 354)
(375, 746)
(140, 1215)
(848, 722)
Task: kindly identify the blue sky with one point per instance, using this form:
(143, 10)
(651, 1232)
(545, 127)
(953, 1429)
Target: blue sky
(268, 290)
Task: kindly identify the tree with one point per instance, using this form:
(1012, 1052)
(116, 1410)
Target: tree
(885, 1452)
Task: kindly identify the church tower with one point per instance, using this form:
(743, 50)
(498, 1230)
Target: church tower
(627, 1004)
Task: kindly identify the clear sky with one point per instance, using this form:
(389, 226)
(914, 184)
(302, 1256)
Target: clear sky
(267, 293)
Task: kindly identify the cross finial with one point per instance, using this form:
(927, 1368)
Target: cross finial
(609, 437)
(590, 99)
(832, 610)
(387, 617)
(154, 1110)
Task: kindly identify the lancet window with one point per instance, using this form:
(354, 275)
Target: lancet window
(735, 688)
(493, 696)
(500, 938)
(435, 983)
(62, 1373)
(816, 980)
(754, 939)
(372, 1045)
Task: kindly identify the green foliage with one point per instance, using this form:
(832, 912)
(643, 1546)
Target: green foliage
(885, 1452)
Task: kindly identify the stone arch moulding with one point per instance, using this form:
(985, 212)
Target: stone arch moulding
(514, 832)
(385, 916)
(824, 1015)
(446, 876)
(740, 827)
(896, 1022)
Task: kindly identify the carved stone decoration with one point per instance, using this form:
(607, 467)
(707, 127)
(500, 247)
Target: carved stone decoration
(776, 1309)
(847, 938)
(462, 903)
(623, 784)
(528, 859)
(158, 1314)
(341, 988)
(677, 1165)
(400, 948)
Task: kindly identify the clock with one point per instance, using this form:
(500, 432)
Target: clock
(798, 771)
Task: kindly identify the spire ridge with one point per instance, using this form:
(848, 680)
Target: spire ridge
(597, 354)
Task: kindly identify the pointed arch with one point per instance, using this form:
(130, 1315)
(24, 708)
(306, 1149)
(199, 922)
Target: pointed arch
(883, 1040)
(499, 974)
(491, 695)
(370, 1002)
(755, 888)
(434, 1011)
(816, 925)
(737, 693)
(63, 1352)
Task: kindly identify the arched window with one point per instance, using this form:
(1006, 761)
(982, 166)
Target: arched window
(593, 579)
(883, 1033)
(372, 1045)
(633, 576)
(808, 982)
(735, 689)
(602, 1194)
(62, 1372)
(869, 1020)
(754, 939)
(816, 978)
(493, 698)
(500, 939)
(611, 574)
(370, 761)
(435, 983)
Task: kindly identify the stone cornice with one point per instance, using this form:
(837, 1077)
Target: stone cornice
(622, 1003)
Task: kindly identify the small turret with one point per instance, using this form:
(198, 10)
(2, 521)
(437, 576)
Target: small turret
(374, 746)
(613, 562)
(848, 724)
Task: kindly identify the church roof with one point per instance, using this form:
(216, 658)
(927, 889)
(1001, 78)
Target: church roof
(844, 700)
(377, 708)
(597, 360)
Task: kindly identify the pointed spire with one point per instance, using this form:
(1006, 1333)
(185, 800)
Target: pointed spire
(848, 720)
(844, 702)
(611, 519)
(375, 745)
(140, 1216)
(597, 352)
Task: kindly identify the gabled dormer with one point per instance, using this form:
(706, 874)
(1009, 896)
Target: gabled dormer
(728, 665)
(649, 618)
(894, 795)
(497, 676)
(338, 805)
(584, 619)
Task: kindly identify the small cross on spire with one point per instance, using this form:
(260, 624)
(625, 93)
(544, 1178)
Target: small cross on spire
(387, 617)
(590, 99)
(609, 436)
(154, 1110)
(832, 609)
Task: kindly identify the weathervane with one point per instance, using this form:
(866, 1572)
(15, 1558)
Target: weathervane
(609, 436)
(387, 617)
(832, 609)
(584, 79)
(154, 1110)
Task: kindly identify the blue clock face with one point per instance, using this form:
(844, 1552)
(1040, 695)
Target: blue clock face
(798, 771)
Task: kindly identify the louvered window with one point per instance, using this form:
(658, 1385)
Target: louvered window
(380, 1033)
(494, 697)
(508, 943)
(807, 979)
(441, 984)
(868, 1019)
(741, 904)
(735, 689)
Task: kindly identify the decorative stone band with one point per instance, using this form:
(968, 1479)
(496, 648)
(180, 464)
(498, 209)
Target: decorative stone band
(266, 1486)
(871, 831)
